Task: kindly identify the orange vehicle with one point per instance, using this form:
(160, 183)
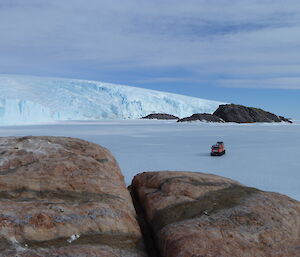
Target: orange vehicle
(218, 149)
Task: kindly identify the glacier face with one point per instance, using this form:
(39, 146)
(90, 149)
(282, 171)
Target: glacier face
(25, 99)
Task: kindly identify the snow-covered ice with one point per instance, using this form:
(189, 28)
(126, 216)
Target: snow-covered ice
(260, 155)
(25, 99)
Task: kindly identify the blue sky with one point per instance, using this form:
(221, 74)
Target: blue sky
(243, 51)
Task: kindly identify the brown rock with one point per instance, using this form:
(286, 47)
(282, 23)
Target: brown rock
(197, 214)
(64, 197)
(74, 251)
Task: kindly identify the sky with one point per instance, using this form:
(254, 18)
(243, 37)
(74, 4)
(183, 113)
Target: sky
(236, 51)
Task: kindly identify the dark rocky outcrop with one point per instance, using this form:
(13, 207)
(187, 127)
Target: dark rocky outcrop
(243, 114)
(202, 117)
(64, 197)
(197, 214)
(160, 116)
(285, 119)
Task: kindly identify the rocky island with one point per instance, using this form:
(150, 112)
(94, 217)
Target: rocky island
(202, 117)
(243, 114)
(160, 116)
(227, 113)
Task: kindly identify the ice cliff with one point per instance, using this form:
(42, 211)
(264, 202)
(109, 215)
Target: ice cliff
(25, 99)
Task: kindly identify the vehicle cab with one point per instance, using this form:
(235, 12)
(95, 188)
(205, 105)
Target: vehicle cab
(218, 149)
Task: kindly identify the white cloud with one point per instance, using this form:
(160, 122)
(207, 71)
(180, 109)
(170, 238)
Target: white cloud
(278, 83)
(242, 40)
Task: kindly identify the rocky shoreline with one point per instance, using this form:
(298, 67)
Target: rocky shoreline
(67, 197)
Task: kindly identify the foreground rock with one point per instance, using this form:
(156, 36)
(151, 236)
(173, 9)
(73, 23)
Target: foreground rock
(202, 117)
(64, 197)
(196, 214)
(243, 114)
(160, 116)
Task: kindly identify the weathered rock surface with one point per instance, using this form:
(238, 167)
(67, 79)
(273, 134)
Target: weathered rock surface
(64, 197)
(196, 214)
(243, 114)
(202, 117)
(160, 116)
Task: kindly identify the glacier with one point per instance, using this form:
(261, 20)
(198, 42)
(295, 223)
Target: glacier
(28, 99)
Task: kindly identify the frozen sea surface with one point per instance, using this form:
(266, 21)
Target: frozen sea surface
(265, 156)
